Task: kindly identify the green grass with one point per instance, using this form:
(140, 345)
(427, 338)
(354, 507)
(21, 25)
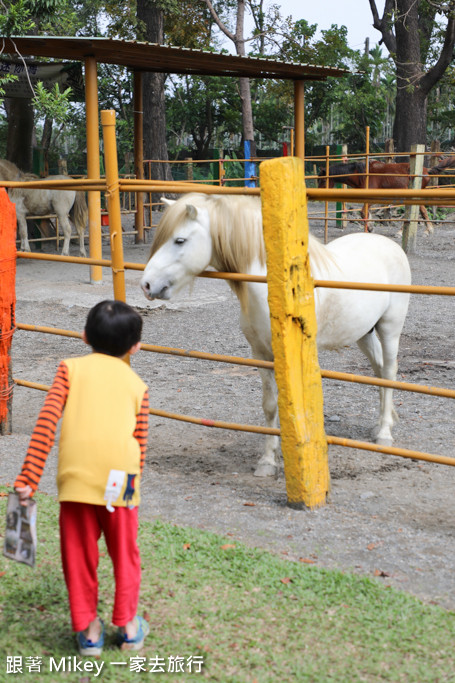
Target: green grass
(251, 615)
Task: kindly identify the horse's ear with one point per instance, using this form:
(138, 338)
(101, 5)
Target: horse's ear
(191, 212)
(167, 201)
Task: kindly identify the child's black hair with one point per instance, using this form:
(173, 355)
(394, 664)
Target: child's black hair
(113, 327)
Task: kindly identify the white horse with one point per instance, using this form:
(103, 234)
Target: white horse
(33, 202)
(224, 232)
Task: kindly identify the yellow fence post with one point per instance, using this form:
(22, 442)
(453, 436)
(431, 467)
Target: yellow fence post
(113, 203)
(139, 153)
(293, 322)
(366, 207)
(93, 166)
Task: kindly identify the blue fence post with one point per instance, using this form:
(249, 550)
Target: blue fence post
(250, 166)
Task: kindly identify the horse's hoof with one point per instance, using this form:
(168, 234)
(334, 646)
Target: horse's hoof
(384, 442)
(266, 471)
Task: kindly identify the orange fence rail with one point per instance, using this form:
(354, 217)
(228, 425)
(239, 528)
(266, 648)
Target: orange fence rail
(430, 196)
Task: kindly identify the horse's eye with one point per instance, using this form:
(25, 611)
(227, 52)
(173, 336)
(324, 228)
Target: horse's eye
(179, 240)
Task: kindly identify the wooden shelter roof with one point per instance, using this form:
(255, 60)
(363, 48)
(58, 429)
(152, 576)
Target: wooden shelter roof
(140, 56)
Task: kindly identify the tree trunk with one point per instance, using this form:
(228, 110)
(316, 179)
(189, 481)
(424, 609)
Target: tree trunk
(411, 102)
(46, 142)
(155, 144)
(407, 28)
(244, 83)
(238, 38)
(247, 110)
(410, 123)
(20, 132)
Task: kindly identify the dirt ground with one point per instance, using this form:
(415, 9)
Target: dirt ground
(389, 518)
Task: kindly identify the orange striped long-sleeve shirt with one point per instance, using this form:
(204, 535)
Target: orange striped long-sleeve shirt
(43, 436)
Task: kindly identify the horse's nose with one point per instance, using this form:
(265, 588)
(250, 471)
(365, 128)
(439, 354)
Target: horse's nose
(145, 284)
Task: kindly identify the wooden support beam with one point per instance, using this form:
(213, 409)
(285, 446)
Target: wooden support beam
(409, 238)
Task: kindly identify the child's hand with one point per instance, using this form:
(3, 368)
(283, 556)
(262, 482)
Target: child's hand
(24, 493)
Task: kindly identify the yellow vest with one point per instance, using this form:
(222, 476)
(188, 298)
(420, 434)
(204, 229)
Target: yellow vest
(96, 444)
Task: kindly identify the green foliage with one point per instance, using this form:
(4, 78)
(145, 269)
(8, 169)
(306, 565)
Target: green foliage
(203, 113)
(205, 108)
(52, 103)
(242, 609)
(4, 80)
(195, 31)
(363, 105)
(16, 19)
(46, 8)
(441, 113)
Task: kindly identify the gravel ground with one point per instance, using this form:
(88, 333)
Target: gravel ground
(389, 518)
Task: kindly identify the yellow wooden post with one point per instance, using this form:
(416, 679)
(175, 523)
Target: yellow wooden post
(93, 166)
(366, 207)
(299, 119)
(113, 203)
(293, 322)
(326, 203)
(139, 154)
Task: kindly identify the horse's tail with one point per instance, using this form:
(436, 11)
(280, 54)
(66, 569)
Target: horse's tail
(79, 212)
(448, 162)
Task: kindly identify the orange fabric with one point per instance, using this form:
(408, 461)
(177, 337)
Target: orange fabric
(7, 298)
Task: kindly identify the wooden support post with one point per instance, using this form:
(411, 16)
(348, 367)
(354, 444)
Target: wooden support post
(293, 323)
(366, 207)
(341, 221)
(139, 153)
(7, 306)
(93, 166)
(389, 150)
(409, 238)
(326, 203)
(434, 180)
(299, 119)
(113, 203)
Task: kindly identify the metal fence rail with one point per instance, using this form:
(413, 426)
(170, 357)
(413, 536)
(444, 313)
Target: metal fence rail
(430, 196)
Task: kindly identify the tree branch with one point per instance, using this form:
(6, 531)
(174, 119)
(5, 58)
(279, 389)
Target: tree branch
(218, 21)
(436, 72)
(384, 24)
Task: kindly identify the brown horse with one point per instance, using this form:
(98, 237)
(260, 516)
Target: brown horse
(381, 175)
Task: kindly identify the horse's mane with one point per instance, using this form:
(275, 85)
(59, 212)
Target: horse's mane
(345, 168)
(320, 259)
(9, 171)
(236, 228)
(237, 237)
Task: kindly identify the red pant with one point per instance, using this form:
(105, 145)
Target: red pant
(81, 526)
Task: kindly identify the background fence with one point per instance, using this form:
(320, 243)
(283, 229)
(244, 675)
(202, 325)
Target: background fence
(114, 187)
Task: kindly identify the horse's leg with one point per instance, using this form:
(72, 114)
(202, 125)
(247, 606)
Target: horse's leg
(79, 215)
(267, 464)
(428, 224)
(81, 232)
(382, 355)
(365, 214)
(23, 231)
(66, 228)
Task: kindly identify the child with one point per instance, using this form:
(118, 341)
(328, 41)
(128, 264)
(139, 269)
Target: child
(101, 455)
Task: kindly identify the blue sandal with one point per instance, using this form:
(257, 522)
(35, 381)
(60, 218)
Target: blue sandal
(88, 648)
(137, 642)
